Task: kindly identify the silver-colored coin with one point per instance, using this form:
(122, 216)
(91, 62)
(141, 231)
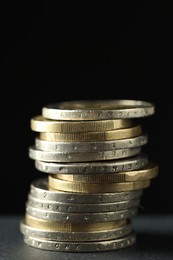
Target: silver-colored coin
(111, 166)
(76, 236)
(98, 109)
(57, 206)
(97, 246)
(48, 156)
(73, 147)
(39, 189)
(67, 217)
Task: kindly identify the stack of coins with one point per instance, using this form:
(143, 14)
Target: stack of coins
(96, 171)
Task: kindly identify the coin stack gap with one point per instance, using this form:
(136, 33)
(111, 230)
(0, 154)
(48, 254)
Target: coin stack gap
(91, 153)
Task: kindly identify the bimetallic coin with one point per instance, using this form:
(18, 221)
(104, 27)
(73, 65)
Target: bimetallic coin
(76, 236)
(58, 184)
(101, 167)
(39, 189)
(148, 172)
(49, 225)
(109, 135)
(68, 217)
(98, 109)
(97, 246)
(41, 124)
(70, 147)
(48, 156)
(80, 207)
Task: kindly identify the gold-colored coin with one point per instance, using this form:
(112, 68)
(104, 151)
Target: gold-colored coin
(148, 172)
(58, 184)
(93, 136)
(60, 226)
(41, 124)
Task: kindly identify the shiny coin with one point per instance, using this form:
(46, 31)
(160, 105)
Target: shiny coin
(48, 156)
(105, 245)
(97, 235)
(47, 224)
(81, 217)
(70, 147)
(98, 109)
(59, 184)
(75, 208)
(41, 124)
(105, 167)
(39, 189)
(148, 172)
(93, 136)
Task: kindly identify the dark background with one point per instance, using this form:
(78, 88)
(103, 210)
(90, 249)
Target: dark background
(56, 53)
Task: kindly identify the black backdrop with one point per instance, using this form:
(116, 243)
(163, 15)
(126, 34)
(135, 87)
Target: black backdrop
(58, 53)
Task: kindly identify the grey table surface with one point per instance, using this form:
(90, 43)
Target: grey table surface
(154, 241)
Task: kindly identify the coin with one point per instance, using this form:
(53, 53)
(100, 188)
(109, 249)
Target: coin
(47, 224)
(99, 146)
(41, 124)
(67, 217)
(98, 109)
(57, 206)
(39, 189)
(62, 236)
(97, 246)
(112, 166)
(109, 135)
(48, 156)
(58, 184)
(150, 171)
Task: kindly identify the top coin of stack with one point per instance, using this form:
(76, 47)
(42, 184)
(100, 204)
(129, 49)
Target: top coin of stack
(92, 153)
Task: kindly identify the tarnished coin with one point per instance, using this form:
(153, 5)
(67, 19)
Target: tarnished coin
(101, 167)
(97, 246)
(39, 189)
(98, 109)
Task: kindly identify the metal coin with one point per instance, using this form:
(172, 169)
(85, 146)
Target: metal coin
(48, 156)
(101, 167)
(70, 147)
(148, 172)
(97, 235)
(97, 246)
(57, 206)
(82, 187)
(39, 189)
(98, 109)
(81, 217)
(41, 124)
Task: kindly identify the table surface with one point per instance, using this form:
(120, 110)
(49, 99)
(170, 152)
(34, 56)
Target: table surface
(154, 241)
